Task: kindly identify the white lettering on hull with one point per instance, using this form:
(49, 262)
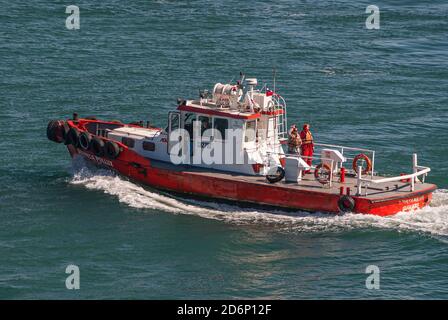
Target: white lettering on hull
(412, 204)
(96, 159)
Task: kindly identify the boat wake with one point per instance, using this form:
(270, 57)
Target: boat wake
(431, 220)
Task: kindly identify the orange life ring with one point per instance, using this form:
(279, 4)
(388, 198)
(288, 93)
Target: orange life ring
(366, 159)
(317, 175)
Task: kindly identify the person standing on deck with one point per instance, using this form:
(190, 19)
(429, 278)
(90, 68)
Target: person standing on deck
(294, 140)
(307, 144)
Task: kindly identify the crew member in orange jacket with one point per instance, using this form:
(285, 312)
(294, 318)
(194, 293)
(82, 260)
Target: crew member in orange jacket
(307, 144)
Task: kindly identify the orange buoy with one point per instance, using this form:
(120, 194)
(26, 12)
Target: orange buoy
(362, 156)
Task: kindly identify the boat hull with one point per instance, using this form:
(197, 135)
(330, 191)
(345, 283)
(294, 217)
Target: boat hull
(227, 187)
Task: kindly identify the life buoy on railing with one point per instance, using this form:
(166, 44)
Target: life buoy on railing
(275, 174)
(322, 173)
(362, 156)
(346, 203)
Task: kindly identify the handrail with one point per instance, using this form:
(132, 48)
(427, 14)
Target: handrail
(417, 171)
(295, 155)
(396, 178)
(361, 181)
(343, 147)
(372, 170)
(282, 125)
(315, 156)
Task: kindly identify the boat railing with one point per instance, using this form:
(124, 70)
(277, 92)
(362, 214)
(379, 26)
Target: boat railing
(331, 162)
(412, 177)
(344, 149)
(282, 120)
(363, 180)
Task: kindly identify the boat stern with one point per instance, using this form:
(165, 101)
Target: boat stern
(389, 205)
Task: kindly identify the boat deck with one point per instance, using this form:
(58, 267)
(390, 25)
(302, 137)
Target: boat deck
(381, 191)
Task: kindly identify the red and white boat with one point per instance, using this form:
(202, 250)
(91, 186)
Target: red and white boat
(238, 121)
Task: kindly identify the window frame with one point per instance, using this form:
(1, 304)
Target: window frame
(255, 128)
(144, 142)
(223, 137)
(210, 122)
(132, 146)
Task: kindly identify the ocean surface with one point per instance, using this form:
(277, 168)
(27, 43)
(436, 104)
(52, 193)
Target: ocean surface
(384, 89)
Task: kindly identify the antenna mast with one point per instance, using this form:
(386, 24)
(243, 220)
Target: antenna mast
(275, 74)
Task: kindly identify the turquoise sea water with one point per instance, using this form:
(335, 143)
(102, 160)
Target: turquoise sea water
(383, 89)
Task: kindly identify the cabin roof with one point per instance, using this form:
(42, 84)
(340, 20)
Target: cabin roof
(195, 107)
(136, 132)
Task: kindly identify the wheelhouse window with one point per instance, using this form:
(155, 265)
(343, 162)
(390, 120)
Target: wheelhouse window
(188, 123)
(206, 123)
(128, 142)
(174, 121)
(250, 133)
(221, 125)
(149, 146)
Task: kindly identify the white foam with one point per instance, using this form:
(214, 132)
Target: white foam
(430, 220)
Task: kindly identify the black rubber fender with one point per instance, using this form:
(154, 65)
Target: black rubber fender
(346, 203)
(112, 150)
(277, 176)
(57, 130)
(72, 137)
(97, 146)
(52, 128)
(65, 129)
(84, 140)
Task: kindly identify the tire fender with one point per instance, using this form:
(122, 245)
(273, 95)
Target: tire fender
(84, 141)
(97, 146)
(346, 203)
(112, 150)
(72, 137)
(56, 130)
(277, 176)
